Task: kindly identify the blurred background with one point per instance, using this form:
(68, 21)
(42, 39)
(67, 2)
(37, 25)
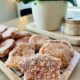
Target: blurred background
(11, 9)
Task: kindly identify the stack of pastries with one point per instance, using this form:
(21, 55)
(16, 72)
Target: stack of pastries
(37, 56)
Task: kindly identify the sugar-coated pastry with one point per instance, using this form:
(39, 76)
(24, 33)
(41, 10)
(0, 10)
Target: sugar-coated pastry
(10, 33)
(18, 53)
(38, 40)
(6, 46)
(21, 34)
(41, 67)
(23, 39)
(2, 28)
(60, 49)
(63, 42)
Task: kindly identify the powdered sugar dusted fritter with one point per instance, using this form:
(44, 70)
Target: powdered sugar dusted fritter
(9, 33)
(21, 34)
(60, 49)
(2, 28)
(24, 39)
(38, 40)
(40, 67)
(6, 46)
(18, 53)
(61, 41)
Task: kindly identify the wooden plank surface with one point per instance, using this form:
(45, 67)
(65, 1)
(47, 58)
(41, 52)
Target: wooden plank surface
(3, 76)
(67, 72)
(10, 75)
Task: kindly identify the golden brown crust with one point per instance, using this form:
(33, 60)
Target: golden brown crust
(2, 28)
(10, 33)
(38, 40)
(21, 34)
(59, 49)
(24, 39)
(65, 42)
(61, 41)
(6, 46)
(41, 67)
(18, 53)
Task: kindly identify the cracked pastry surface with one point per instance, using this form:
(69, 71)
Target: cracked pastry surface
(40, 67)
(60, 49)
(38, 40)
(6, 46)
(18, 53)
